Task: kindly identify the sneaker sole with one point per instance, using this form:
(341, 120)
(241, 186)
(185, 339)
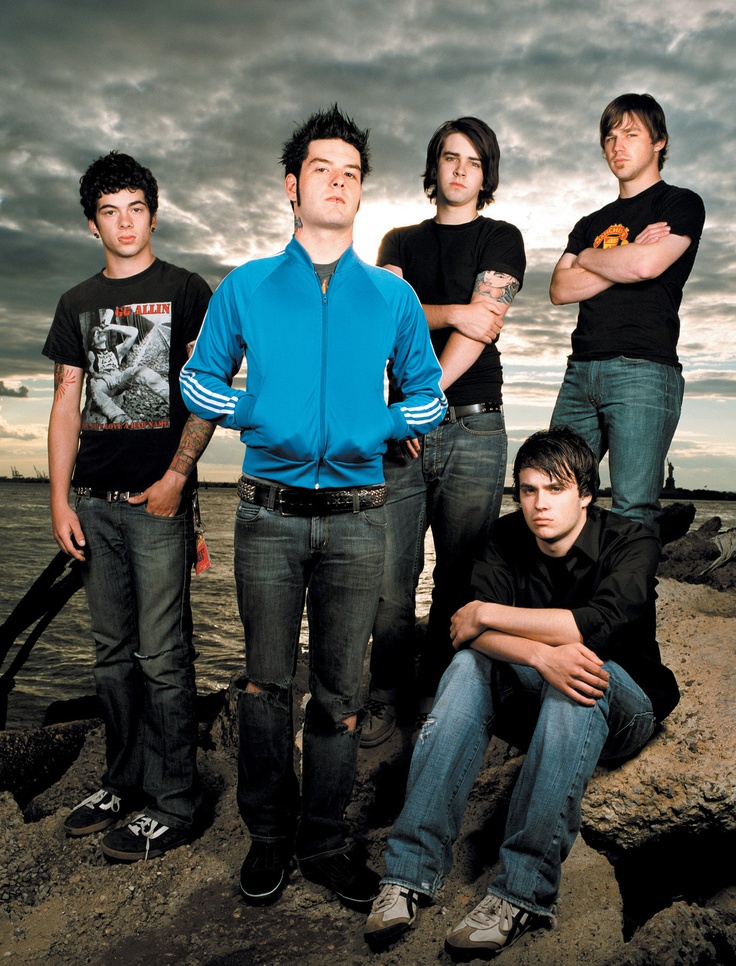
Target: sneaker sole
(351, 902)
(153, 853)
(265, 898)
(375, 742)
(89, 829)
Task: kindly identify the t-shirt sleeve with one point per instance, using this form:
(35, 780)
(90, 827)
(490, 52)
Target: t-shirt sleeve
(389, 251)
(64, 341)
(197, 298)
(684, 212)
(503, 251)
(576, 239)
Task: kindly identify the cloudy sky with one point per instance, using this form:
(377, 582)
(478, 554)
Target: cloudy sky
(205, 91)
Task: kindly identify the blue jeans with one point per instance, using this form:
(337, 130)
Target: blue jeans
(336, 563)
(455, 487)
(629, 408)
(137, 579)
(476, 695)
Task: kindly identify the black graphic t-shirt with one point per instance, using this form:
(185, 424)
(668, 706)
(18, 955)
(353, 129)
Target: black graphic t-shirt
(129, 336)
(639, 320)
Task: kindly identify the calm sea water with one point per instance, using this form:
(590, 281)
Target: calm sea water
(60, 663)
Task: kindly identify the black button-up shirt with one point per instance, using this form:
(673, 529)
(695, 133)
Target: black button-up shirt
(607, 579)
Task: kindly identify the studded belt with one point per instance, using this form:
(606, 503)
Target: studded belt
(300, 502)
(112, 496)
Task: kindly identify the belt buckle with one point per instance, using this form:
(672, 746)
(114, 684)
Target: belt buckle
(118, 496)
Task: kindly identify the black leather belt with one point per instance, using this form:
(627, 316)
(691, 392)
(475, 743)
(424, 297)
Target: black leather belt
(112, 496)
(298, 502)
(457, 412)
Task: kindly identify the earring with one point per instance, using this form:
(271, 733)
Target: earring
(153, 229)
(95, 234)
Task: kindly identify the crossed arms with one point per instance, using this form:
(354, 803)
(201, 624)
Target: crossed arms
(580, 277)
(544, 638)
(477, 323)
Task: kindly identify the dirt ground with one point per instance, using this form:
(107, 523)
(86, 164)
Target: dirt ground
(62, 902)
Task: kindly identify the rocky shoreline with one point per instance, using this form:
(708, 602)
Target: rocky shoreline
(650, 880)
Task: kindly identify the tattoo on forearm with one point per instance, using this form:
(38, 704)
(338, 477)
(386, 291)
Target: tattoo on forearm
(62, 379)
(497, 285)
(194, 438)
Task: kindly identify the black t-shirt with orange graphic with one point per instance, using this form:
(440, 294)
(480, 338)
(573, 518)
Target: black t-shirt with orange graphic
(639, 320)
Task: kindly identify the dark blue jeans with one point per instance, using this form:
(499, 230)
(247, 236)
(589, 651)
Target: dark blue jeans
(628, 408)
(335, 562)
(455, 487)
(137, 579)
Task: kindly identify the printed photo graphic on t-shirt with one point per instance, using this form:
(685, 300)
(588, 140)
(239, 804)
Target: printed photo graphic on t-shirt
(127, 349)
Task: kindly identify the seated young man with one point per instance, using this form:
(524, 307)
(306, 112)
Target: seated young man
(564, 615)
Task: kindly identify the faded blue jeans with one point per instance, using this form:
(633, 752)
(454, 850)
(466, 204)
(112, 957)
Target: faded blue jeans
(568, 739)
(335, 562)
(137, 578)
(455, 487)
(628, 408)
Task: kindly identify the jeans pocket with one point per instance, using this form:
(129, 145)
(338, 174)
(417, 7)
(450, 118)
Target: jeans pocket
(483, 424)
(248, 512)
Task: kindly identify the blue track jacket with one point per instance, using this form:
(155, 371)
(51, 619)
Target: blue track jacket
(314, 413)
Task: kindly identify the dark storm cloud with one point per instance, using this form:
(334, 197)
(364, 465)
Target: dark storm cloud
(204, 93)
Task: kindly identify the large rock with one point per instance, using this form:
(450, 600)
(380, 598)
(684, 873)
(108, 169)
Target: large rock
(684, 781)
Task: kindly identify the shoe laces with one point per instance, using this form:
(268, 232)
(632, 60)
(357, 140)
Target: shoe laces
(99, 799)
(376, 708)
(389, 896)
(148, 827)
(491, 910)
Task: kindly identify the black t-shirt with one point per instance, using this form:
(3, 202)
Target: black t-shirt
(441, 263)
(639, 320)
(129, 335)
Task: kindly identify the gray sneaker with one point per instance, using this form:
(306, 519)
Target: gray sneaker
(392, 914)
(493, 925)
(379, 723)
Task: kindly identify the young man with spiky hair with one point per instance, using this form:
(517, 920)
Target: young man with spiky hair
(626, 265)
(466, 270)
(316, 326)
(558, 651)
(130, 454)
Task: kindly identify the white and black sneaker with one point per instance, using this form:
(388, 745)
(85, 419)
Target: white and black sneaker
(393, 912)
(491, 927)
(94, 814)
(143, 838)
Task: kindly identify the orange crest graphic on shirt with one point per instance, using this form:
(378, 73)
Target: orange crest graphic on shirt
(612, 237)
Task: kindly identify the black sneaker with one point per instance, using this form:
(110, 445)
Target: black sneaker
(264, 873)
(378, 725)
(94, 814)
(143, 838)
(352, 881)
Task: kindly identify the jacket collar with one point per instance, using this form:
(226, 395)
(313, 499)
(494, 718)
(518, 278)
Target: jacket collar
(296, 250)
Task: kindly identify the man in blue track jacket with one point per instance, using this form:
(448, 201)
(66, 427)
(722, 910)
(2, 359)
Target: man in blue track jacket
(317, 327)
